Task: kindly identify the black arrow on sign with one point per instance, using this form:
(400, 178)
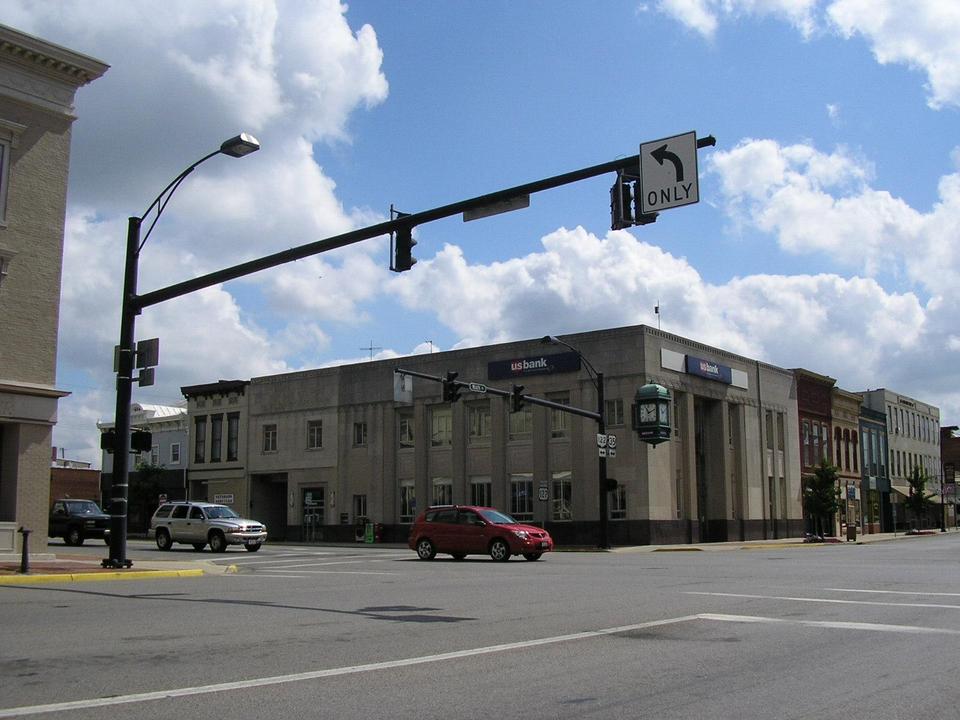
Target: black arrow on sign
(661, 154)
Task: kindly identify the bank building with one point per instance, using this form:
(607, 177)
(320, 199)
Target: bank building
(313, 454)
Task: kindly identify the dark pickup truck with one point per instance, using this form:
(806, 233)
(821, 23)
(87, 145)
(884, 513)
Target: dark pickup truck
(77, 520)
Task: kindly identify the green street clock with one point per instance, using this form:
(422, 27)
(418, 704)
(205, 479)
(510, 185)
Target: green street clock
(652, 413)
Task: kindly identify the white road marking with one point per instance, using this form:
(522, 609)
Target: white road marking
(833, 601)
(895, 592)
(442, 657)
(331, 672)
(832, 625)
(304, 573)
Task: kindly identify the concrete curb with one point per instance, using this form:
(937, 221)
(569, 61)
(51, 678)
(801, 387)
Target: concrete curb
(97, 576)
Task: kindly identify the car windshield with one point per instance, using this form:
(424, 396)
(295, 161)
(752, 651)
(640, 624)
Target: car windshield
(220, 511)
(497, 518)
(83, 507)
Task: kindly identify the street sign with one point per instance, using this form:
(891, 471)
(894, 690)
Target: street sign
(477, 387)
(668, 173)
(543, 493)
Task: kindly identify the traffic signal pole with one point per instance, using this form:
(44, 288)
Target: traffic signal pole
(385, 228)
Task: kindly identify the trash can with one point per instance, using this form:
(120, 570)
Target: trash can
(851, 532)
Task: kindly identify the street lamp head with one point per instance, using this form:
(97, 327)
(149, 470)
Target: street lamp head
(242, 144)
(549, 340)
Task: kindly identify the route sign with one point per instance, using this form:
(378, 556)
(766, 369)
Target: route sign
(477, 387)
(668, 173)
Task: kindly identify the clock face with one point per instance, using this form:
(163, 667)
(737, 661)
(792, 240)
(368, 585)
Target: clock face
(648, 413)
(664, 414)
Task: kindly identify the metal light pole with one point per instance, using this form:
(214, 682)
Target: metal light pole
(129, 309)
(597, 379)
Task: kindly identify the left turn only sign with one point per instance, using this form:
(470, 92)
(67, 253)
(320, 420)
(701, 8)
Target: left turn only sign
(668, 173)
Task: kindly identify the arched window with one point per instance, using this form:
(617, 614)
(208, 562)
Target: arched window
(837, 444)
(846, 449)
(853, 439)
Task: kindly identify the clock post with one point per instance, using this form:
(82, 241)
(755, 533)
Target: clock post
(651, 417)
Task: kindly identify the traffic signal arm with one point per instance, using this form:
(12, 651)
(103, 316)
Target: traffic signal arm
(525, 399)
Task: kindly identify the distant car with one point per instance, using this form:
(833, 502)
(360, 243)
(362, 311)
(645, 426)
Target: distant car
(77, 520)
(201, 523)
(462, 530)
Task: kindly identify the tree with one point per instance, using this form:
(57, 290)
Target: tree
(821, 494)
(919, 501)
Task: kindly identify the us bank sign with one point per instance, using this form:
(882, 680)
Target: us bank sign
(538, 365)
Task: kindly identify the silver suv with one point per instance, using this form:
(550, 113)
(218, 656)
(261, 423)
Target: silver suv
(200, 523)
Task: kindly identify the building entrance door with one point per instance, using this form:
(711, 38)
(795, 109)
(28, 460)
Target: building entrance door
(314, 511)
(709, 449)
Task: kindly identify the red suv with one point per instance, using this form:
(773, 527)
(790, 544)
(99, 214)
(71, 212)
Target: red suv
(462, 530)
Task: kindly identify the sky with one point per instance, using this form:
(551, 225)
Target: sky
(826, 235)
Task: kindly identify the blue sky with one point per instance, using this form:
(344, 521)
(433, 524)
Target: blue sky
(825, 236)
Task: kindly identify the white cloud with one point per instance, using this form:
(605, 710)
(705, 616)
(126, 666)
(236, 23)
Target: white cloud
(704, 16)
(921, 34)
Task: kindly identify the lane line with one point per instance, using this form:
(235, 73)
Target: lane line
(832, 601)
(331, 672)
(832, 624)
(442, 657)
(267, 571)
(895, 592)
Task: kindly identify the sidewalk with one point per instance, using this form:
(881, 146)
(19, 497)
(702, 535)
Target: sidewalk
(64, 567)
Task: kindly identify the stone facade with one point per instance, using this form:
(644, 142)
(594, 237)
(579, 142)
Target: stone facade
(38, 81)
(327, 448)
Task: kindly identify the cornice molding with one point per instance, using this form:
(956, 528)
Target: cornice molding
(40, 73)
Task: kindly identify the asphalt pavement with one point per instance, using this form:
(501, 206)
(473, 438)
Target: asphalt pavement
(68, 567)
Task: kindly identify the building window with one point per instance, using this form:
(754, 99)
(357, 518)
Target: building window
(442, 491)
(233, 436)
(9, 134)
(559, 420)
(200, 439)
(481, 491)
(521, 424)
(562, 496)
(441, 426)
(175, 453)
(269, 438)
(408, 501)
(618, 503)
(314, 434)
(613, 412)
(806, 442)
(155, 455)
(359, 506)
(216, 437)
(405, 437)
(359, 434)
(478, 416)
(521, 495)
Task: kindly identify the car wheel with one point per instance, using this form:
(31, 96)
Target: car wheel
(253, 548)
(163, 540)
(218, 543)
(426, 550)
(532, 557)
(199, 546)
(459, 556)
(499, 550)
(73, 537)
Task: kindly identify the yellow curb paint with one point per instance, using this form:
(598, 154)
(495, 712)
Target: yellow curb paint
(97, 577)
(231, 569)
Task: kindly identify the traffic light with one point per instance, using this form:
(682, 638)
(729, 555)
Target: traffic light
(611, 484)
(141, 441)
(621, 204)
(451, 391)
(108, 440)
(403, 258)
(516, 399)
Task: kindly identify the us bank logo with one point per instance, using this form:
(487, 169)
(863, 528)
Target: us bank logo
(537, 365)
(520, 366)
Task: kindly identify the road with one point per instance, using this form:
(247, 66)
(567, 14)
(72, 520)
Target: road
(841, 631)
